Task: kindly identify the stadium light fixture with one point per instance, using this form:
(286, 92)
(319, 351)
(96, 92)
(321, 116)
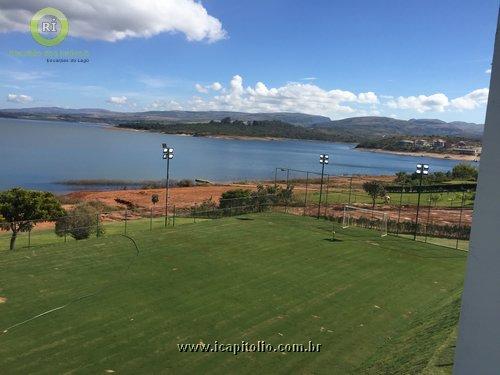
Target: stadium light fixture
(168, 153)
(422, 170)
(323, 159)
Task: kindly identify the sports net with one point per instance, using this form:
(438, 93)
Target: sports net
(365, 218)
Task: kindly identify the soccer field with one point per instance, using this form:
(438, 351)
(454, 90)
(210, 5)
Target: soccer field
(375, 304)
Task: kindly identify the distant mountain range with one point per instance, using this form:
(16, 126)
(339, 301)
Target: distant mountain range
(378, 127)
(370, 127)
(103, 115)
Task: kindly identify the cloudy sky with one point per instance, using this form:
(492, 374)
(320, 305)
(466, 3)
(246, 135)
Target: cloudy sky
(342, 58)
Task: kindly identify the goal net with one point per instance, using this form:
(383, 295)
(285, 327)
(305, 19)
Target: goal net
(365, 218)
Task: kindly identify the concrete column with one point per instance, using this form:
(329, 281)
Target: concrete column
(478, 348)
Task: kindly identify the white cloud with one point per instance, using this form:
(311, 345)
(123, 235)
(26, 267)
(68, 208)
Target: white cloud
(216, 86)
(312, 99)
(488, 71)
(113, 20)
(472, 100)
(291, 97)
(368, 97)
(118, 100)
(440, 102)
(201, 89)
(421, 103)
(19, 98)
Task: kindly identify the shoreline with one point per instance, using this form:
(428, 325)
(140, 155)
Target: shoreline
(447, 156)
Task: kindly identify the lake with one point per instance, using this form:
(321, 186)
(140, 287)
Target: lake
(36, 154)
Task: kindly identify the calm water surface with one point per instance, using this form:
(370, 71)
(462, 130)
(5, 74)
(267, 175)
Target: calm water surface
(36, 154)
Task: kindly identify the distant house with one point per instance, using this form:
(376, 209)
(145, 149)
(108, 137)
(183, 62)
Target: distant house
(475, 151)
(422, 143)
(439, 143)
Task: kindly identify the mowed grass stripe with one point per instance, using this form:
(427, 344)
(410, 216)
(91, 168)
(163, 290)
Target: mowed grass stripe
(275, 278)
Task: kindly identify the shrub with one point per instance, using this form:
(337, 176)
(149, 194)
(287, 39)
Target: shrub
(185, 183)
(464, 172)
(80, 223)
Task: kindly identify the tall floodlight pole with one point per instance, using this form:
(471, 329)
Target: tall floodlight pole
(422, 169)
(323, 159)
(168, 153)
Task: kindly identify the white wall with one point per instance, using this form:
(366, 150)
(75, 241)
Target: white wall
(478, 349)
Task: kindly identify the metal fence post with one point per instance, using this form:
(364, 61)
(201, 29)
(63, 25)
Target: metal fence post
(399, 210)
(326, 195)
(460, 218)
(97, 226)
(173, 219)
(428, 216)
(305, 199)
(126, 218)
(151, 219)
(350, 190)
(29, 238)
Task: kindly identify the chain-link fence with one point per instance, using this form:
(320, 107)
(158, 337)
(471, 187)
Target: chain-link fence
(442, 217)
(130, 221)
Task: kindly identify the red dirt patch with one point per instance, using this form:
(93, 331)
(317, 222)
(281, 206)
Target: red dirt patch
(180, 197)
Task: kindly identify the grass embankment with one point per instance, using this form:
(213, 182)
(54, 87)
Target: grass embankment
(380, 305)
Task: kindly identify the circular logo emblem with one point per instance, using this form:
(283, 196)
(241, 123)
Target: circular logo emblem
(49, 27)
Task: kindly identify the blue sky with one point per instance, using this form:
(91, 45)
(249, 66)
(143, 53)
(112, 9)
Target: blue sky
(405, 59)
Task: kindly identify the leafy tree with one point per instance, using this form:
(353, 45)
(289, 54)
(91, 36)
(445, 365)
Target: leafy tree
(402, 178)
(260, 200)
(464, 172)
(235, 198)
(374, 189)
(266, 196)
(20, 208)
(80, 223)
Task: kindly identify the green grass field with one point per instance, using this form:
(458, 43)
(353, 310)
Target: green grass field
(39, 237)
(375, 304)
(341, 196)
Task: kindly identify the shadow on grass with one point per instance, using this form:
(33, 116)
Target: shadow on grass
(332, 240)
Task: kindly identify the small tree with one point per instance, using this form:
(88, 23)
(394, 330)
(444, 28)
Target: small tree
(464, 172)
(374, 189)
(80, 223)
(235, 198)
(155, 199)
(20, 208)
